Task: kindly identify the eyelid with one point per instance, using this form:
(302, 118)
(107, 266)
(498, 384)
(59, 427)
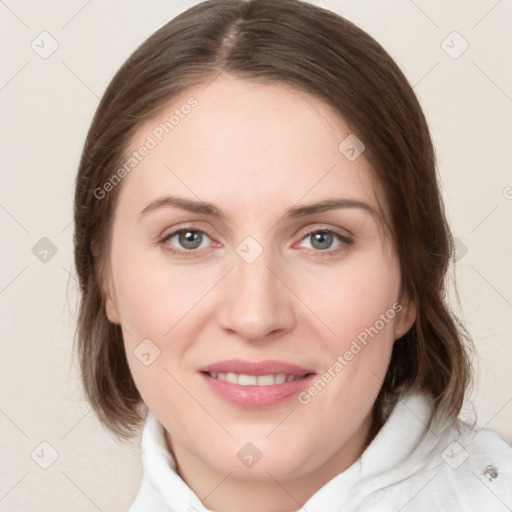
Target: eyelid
(165, 237)
(345, 233)
(185, 226)
(346, 240)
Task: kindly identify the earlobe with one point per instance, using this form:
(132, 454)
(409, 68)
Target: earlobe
(111, 303)
(405, 318)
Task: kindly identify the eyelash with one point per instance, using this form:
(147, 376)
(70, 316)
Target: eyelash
(346, 242)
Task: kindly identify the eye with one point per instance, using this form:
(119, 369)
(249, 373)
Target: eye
(321, 241)
(185, 240)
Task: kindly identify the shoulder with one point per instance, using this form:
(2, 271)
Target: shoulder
(477, 468)
(453, 467)
(467, 469)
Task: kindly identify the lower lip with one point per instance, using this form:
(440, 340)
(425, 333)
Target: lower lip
(255, 397)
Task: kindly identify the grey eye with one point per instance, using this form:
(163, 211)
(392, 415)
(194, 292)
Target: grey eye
(321, 239)
(187, 239)
(190, 239)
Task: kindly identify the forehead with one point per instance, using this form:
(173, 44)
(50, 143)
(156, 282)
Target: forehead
(244, 145)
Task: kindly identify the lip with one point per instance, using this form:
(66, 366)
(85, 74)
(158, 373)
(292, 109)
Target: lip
(256, 368)
(256, 397)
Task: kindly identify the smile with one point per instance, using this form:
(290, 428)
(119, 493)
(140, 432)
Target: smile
(253, 380)
(255, 384)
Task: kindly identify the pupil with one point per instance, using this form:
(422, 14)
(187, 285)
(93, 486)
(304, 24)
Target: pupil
(322, 240)
(190, 239)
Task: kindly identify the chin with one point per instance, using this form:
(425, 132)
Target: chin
(264, 459)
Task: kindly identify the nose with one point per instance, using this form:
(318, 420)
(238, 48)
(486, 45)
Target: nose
(257, 304)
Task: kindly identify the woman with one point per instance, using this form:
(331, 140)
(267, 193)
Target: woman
(262, 247)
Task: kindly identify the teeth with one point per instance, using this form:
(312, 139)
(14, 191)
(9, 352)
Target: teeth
(266, 380)
(280, 378)
(253, 380)
(232, 377)
(247, 380)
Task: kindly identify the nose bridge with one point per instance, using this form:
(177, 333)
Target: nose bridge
(256, 303)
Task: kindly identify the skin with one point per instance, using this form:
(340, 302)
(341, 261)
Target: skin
(254, 151)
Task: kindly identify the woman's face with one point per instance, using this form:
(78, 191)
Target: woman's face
(240, 282)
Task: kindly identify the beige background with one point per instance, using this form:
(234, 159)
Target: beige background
(46, 108)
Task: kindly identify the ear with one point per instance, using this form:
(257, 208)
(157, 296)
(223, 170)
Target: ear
(111, 302)
(406, 316)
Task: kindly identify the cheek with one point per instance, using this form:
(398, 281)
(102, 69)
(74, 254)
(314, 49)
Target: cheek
(360, 305)
(162, 311)
(154, 304)
(358, 298)
(152, 299)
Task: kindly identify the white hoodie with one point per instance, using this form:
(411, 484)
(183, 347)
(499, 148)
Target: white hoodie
(403, 469)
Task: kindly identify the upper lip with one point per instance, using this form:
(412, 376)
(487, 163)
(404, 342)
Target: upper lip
(257, 368)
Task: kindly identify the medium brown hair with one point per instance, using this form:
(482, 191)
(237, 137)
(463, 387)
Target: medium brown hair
(313, 50)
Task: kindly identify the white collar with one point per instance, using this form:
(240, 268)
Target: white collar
(403, 448)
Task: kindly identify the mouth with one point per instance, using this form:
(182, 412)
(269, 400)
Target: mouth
(243, 379)
(250, 384)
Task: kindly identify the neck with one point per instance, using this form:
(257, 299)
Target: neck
(223, 493)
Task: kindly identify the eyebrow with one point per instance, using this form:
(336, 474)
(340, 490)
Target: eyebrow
(294, 212)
